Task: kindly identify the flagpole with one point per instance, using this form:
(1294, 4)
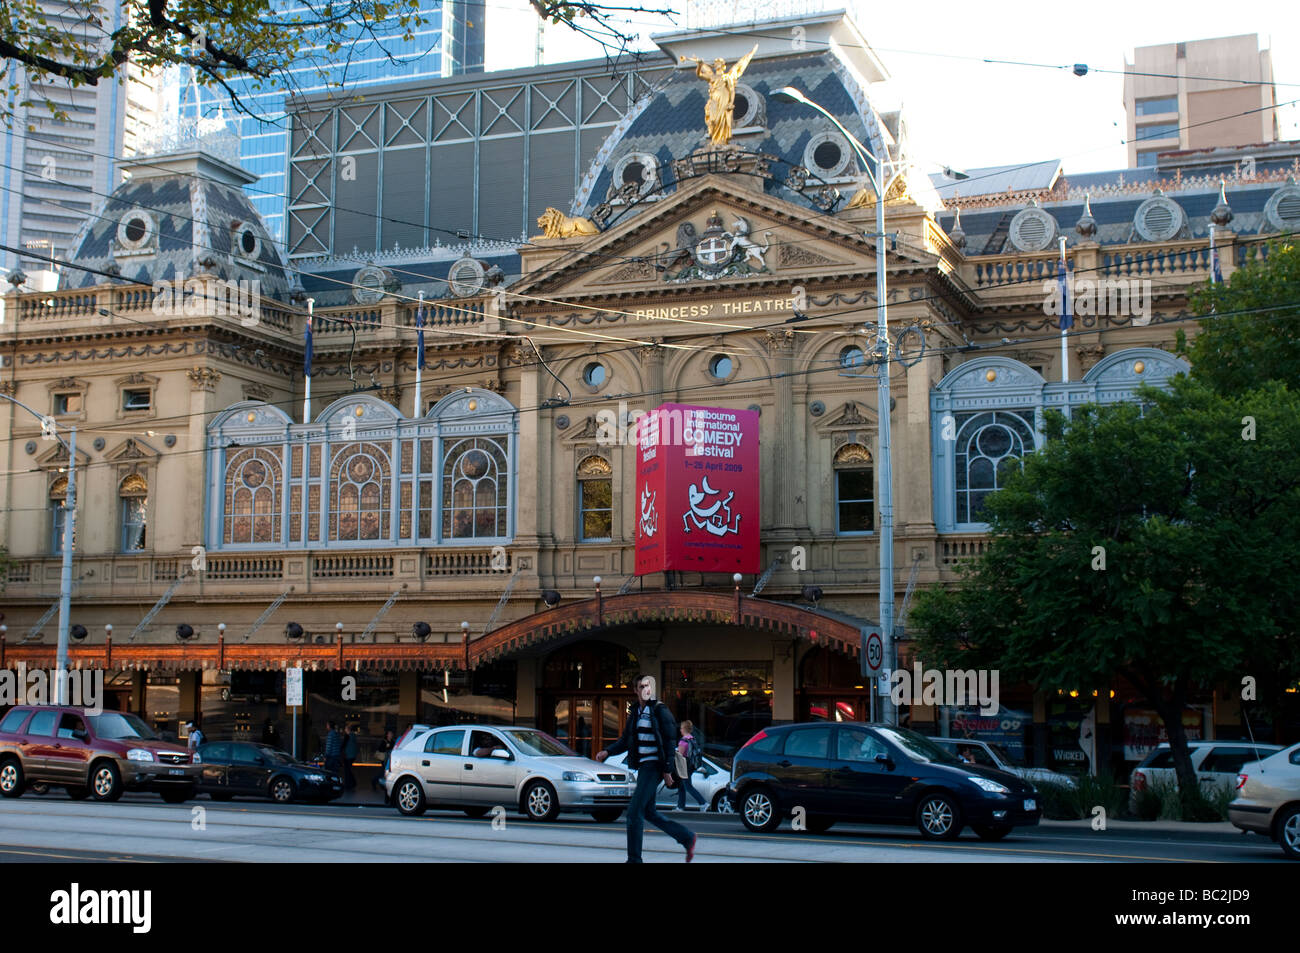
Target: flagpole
(1214, 259)
(1065, 292)
(306, 394)
(419, 356)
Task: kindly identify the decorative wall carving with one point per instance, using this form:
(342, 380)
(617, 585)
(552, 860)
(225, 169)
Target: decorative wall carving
(797, 255)
(1089, 355)
(253, 391)
(203, 379)
(778, 339)
(632, 271)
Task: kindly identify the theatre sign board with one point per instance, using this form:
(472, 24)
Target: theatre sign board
(697, 490)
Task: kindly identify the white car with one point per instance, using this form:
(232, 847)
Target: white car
(1268, 799)
(995, 756)
(479, 767)
(711, 780)
(1216, 763)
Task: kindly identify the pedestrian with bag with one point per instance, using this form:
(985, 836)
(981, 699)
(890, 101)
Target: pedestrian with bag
(349, 756)
(648, 738)
(688, 761)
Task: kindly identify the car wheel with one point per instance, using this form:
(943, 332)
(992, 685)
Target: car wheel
(984, 832)
(220, 796)
(408, 795)
(819, 825)
(77, 793)
(540, 802)
(477, 811)
(938, 817)
(758, 811)
(177, 796)
(11, 778)
(1288, 833)
(722, 804)
(105, 781)
(281, 790)
(607, 815)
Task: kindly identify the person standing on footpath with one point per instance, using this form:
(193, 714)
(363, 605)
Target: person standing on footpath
(649, 738)
(688, 762)
(333, 749)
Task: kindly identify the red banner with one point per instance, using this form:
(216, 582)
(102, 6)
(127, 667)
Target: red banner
(697, 500)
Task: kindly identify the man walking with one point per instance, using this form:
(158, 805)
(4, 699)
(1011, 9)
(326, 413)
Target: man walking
(649, 738)
(333, 749)
(349, 756)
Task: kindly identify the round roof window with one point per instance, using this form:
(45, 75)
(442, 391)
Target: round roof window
(136, 229)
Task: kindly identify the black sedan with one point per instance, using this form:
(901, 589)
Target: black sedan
(874, 774)
(233, 768)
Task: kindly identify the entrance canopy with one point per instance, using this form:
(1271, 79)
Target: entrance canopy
(586, 617)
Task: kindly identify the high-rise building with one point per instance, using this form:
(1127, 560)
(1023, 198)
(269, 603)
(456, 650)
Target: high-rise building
(450, 42)
(54, 172)
(1199, 95)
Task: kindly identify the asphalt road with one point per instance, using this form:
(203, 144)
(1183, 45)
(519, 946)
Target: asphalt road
(36, 829)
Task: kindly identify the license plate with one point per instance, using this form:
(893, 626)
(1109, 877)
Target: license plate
(618, 792)
(179, 771)
(1031, 804)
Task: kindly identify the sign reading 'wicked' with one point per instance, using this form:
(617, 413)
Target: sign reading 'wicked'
(697, 490)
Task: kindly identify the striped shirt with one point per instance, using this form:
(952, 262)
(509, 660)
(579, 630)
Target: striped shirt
(647, 742)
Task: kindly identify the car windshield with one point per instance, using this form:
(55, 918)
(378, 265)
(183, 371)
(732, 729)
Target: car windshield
(120, 725)
(1005, 758)
(918, 746)
(277, 756)
(541, 745)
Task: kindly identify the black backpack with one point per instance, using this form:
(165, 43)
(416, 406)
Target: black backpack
(694, 753)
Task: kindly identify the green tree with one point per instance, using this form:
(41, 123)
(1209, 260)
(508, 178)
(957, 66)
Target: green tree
(1196, 520)
(1249, 332)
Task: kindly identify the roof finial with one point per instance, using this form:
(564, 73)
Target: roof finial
(955, 233)
(1222, 213)
(1087, 225)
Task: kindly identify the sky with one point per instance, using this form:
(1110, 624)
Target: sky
(966, 113)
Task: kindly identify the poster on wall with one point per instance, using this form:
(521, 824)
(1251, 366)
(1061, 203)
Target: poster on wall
(697, 499)
(1143, 729)
(1008, 729)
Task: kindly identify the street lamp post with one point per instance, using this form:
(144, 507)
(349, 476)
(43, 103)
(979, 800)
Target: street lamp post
(880, 185)
(69, 527)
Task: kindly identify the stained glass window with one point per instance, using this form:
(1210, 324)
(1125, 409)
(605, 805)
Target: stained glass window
(475, 486)
(990, 446)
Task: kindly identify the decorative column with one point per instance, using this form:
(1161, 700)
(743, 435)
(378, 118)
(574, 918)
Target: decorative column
(785, 481)
(651, 356)
(203, 388)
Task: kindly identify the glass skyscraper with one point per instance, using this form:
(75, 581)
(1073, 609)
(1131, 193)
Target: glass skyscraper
(451, 41)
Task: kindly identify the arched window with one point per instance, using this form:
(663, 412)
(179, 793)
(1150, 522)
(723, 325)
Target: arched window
(595, 499)
(990, 446)
(58, 515)
(855, 484)
(475, 488)
(252, 497)
(133, 503)
(360, 493)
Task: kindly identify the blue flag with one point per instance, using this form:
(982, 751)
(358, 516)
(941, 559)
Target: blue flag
(419, 335)
(1067, 319)
(306, 354)
(1214, 262)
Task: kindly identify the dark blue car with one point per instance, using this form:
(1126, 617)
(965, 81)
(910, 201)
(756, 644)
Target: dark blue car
(873, 774)
(240, 768)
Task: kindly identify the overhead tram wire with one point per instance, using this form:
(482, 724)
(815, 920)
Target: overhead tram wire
(813, 213)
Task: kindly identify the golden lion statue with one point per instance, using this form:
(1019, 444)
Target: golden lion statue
(555, 224)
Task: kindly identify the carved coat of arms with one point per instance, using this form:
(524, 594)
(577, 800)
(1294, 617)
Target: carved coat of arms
(714, 253)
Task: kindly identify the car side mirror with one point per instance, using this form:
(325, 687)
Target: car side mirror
(81, 734)
(502, 754)
(885, 760)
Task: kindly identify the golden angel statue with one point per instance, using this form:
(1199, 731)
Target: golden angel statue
(722, 93)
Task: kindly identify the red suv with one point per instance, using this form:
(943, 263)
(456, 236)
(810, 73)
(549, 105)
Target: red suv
(91, 755)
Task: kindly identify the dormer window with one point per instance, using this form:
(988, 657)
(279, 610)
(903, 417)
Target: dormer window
(136, 231)
(827, 154)
(245, 242)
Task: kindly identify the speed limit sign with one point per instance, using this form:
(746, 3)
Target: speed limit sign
(875, 653)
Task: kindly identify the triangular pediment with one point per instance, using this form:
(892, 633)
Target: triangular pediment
(711, 235)
(851, 415)
(131, 450)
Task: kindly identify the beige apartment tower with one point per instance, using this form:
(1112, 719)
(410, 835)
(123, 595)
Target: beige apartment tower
(1199, 95)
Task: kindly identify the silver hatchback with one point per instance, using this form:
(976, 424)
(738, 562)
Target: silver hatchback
(478, 767)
